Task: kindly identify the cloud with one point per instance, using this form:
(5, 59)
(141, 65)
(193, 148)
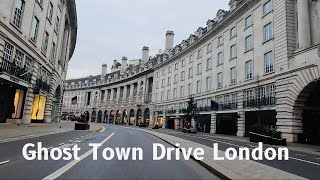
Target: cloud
(111, 29)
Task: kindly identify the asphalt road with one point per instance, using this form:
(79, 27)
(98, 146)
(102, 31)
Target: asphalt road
(302, 164)
(14, 166)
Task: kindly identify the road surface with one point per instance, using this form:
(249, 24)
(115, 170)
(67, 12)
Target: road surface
(14, 166)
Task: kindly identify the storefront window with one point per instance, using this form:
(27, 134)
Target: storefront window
(38, 107)
(18, 102)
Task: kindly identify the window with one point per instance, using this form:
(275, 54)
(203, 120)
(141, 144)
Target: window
(53, 52)
(267, 7)
(18, 13)
(249, 70)
(220, 80)
(158, 74)
(50, 12)
(209, 47)
(248, 21)
(175, 78)
(45, 43)
(267, 31)
(18, 58)
(190, 73)
(233, 75)
(157, 84)
(249, 43)
(169, 81)
(162, 84)
(182, 91)
(34, 29)
(168, 94)
(208, 84)
(27, 63)
(176, 66)
(183, 62)
(209, 64)
(199, 68)
(57, 27)
(189, 89)
(174, 93)
(233, 32)
(233, 51)
(162, 96)
(268, 62)
(163, 72)
(182, 76)
(169, 69)
(190, 59)
(220, 58)
(199, 87)
(220, 41)
(8, 50)
(199, 53)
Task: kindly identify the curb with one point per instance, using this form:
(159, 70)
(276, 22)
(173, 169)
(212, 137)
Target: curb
(203, 164)
(30, 136)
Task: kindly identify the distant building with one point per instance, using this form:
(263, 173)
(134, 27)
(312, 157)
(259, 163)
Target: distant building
(37, 40)
(259, 61)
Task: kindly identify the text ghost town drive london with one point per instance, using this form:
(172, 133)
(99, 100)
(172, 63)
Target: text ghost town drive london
(160, 152)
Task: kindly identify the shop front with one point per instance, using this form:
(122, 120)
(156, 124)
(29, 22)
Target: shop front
(12, 98)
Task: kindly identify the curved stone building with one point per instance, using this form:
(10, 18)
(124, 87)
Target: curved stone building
(256, 63)
(37, 40)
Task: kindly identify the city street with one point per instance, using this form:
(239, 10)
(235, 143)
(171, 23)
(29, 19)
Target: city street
(14, 166)
(302, 164)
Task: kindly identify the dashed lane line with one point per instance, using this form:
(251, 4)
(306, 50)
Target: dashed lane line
(67, 167)
(4, 162)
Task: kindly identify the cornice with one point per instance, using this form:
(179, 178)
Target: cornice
(212, 32)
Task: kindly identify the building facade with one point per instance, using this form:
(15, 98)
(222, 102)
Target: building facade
(258, 62)
(37, 40)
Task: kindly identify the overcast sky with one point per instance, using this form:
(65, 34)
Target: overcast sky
(110, 29)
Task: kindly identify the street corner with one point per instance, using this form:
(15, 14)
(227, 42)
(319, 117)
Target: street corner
(96, 127)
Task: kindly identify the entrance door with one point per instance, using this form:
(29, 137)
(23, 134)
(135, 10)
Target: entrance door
(227, 124)
(6, 102)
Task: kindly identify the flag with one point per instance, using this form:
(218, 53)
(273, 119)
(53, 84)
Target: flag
(74, 100)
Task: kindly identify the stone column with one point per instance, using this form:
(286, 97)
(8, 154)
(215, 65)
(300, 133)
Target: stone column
(193, 123)
(26, 119)
(164, 119)
(131, 90)
(213, 129)
(241, 113)
(304, 24)
(112, 94)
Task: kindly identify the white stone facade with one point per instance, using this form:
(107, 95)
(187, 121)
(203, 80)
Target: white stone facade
(37, 38)
(260, 55)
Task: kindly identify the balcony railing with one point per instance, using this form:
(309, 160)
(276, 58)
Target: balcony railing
(228, 106)
(41, 85)
(259, 102)
(14, 70)
(205, 109)
(171, 111)
(148, 98)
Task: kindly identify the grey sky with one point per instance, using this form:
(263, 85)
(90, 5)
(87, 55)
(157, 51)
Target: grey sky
(110, 29)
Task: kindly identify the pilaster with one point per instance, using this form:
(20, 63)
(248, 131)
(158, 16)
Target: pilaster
(241, 113)
(213, 128)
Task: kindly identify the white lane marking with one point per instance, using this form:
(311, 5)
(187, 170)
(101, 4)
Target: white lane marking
(301, 155)
(297, 159)
(102, 129)
(65, 168)
(4, 162)
(31, 136)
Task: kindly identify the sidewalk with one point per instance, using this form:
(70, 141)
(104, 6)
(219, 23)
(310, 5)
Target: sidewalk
(228, 169)
(11, 132)
(303, 148)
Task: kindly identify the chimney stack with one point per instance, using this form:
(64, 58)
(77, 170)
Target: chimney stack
(145, 54)
(104, 71)
(169, 41)
(124, 63)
